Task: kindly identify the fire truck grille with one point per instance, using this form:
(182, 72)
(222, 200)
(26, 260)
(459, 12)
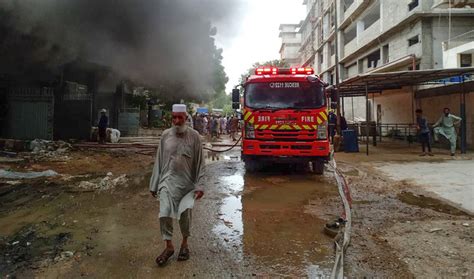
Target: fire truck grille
(294, 147)
(273, 135)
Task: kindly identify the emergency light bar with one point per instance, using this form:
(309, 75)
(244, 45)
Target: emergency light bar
(276, 71)
(303, 71)
(266, 71)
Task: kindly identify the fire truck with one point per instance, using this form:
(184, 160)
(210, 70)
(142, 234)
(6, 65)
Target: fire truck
(285, 118)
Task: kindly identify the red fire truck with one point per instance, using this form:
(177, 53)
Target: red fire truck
(285, 118)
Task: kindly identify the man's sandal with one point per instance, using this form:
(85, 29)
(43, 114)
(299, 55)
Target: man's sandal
(162, 259)
(183, 254)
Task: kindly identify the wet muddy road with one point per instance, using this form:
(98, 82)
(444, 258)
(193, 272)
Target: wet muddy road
(266, 224)
(246, 225)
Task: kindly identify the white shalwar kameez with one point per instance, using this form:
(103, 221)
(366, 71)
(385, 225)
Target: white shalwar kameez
(179, 166)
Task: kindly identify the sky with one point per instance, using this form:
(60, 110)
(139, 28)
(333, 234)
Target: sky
(256, 35)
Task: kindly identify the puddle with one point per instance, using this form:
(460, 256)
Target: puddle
(220, 156)
(263, 217)
(428, 202)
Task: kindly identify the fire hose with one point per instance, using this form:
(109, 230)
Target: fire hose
(225, 150)
(343, 238)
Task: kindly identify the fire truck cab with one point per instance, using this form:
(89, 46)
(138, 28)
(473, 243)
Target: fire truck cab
(285, 119)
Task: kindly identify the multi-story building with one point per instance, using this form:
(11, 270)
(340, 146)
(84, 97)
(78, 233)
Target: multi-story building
(290, 44)
(380, 35)
(387, 36)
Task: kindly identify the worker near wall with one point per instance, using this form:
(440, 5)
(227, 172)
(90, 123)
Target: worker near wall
(445, 126)
(179, 166)
(423, 133)
(103, 124)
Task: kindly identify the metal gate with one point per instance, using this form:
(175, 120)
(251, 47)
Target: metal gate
(129, 121)
(30, 113)
(72, 112)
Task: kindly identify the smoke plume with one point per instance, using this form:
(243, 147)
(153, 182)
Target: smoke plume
(149, 41)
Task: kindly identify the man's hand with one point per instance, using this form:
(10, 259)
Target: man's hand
(198, 194)
(153, 193)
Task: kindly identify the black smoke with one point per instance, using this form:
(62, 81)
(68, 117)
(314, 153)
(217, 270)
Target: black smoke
(149, 41)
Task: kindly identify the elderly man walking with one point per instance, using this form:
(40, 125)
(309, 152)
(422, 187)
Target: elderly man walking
(179, 166)
(445, 127)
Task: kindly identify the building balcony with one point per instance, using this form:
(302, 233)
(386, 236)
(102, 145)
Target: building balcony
(296, 40)
(350, 47)
(369, 34)
(355, 9)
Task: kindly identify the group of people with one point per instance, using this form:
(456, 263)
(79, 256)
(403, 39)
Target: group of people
(216, 125)
(445, 126)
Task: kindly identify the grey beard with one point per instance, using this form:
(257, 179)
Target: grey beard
(180, 129)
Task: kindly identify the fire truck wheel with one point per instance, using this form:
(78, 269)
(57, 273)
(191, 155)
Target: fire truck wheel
(251, 165)
(318, 167)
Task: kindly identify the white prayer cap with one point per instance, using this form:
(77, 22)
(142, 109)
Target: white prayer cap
(103, 110)
(179, 108)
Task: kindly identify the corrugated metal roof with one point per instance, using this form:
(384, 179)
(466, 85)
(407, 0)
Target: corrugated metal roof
(377, 82)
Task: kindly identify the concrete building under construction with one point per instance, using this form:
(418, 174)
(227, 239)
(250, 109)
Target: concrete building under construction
(379, 36)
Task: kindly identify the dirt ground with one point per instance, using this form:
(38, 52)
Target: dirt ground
(262, 225)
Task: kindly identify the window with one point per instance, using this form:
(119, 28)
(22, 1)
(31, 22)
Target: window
(385, 54)
(466, 60)
(347, 4)
(413, 40)
(331, 49)
(360, 65)
(413, 4)
(350, 34)
(373, 59)
(333, 16)
(321, 58)
(372, 16)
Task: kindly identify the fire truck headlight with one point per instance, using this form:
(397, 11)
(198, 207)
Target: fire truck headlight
(323, 131)
(249, 131)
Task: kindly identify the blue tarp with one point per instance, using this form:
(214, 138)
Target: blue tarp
(202, 110)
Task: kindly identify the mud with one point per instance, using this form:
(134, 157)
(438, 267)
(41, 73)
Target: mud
(267, 224)
(430, 202)
(247, 224)
(30, 248)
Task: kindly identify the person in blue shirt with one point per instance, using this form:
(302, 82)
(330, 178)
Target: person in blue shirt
(103, 124)
(424, 133)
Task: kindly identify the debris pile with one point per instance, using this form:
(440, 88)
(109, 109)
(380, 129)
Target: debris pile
(47, 148)
(106, 183)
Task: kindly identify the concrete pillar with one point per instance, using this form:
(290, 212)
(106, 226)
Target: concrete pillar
(360, 29)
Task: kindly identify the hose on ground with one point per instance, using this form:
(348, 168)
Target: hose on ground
(225, 150)
(342, 242)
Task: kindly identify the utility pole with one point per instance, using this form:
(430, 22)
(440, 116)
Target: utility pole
(336, 46)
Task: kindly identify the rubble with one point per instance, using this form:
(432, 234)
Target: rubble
(48, 149)
(106, 183)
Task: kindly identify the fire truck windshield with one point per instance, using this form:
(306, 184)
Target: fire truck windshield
(284, 95)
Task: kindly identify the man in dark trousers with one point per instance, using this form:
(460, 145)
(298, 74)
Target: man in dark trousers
(103, 124)
(423, 132)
